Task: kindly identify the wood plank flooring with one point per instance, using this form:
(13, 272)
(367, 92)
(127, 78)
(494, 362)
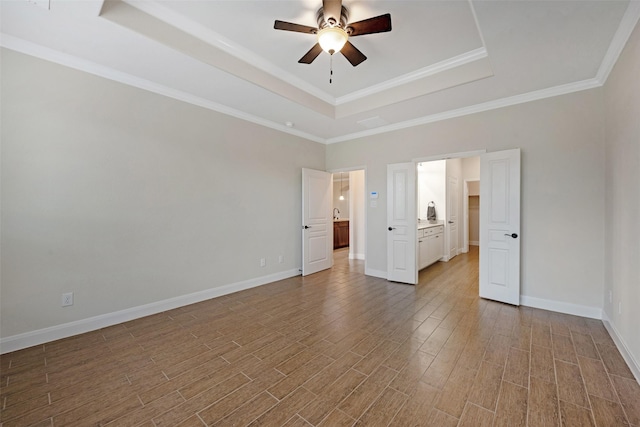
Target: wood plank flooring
(333, 349)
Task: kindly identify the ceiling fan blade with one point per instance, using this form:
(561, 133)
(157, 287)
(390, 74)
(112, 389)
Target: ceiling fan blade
(332, 9)
(311, 55)
(379, 24)
(288, 26)
(353, 55)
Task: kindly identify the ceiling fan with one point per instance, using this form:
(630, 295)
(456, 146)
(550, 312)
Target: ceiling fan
(334, 30)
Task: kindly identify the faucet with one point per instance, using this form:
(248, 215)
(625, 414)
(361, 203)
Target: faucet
(336, 215)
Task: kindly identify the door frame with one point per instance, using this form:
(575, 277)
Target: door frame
(465, 212)
(449, 230)
(366, 234)
(465, 216)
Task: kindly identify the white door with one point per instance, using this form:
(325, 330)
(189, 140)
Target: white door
(402, 223)
(317, 221)
(500, 226)
(452, 215)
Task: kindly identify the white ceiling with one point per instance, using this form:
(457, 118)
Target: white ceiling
(442, 59)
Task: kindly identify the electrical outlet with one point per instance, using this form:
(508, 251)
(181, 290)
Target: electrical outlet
(67, 299)
(280, 259)
(263, 262)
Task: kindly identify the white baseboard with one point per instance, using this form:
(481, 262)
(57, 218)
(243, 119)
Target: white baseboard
(41, 336)
(356, 256)
(633, 364)
(561, 307)
(474, 243)
(375, 273)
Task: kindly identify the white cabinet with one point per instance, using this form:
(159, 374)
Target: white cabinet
(430, 245)
(423, 252)
(435, 247)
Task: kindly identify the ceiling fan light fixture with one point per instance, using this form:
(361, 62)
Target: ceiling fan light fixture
(332, 39)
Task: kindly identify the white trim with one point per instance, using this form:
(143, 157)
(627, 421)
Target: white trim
(201, 32)
(90, 67)
(627, 24)
(375, 273)
(41, 336)
(475, 19)
(474, 243)
(561, 307)
(626, 27)
(449, 156)
(473, 109)
(413, 76)
(634, 365)
(356, 256)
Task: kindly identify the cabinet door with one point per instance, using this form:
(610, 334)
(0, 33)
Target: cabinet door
(423, 253)
(435, 247)
(438, 246)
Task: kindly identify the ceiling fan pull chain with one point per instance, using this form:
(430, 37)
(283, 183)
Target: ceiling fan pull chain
(330, 69)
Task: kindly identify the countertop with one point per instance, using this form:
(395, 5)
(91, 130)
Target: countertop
(427, 224)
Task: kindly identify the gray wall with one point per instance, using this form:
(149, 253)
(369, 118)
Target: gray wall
(126, 197)
(622, 101)
(562, 228)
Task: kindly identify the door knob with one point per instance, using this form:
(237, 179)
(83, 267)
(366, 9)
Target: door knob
(450, 222)
(391, 228)
(307, 226)
(514, 235)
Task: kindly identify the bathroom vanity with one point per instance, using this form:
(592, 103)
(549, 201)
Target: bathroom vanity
(430, 243)
(340, 233)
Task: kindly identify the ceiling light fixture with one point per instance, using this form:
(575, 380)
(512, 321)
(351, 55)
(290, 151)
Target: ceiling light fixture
(332, 39)
(341, 183)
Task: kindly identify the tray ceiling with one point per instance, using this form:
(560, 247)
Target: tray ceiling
(441, 59)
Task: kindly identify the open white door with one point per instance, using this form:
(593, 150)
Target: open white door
(317, 222)
(500, 226)
(401, 223)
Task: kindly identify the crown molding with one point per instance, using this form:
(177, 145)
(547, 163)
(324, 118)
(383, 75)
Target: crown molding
(420, 74)
(477, 108)
(157, 10)
(38, 51)
(627, 24)
(475, 19)
(32, 49)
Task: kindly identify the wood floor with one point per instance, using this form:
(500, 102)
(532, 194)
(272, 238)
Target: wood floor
(336, 348)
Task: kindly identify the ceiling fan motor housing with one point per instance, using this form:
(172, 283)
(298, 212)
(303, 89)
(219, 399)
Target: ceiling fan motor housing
(335, 31)
(344, 18)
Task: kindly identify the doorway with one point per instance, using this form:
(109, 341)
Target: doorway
(499, 250)
(442, 186)
(349, 212)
